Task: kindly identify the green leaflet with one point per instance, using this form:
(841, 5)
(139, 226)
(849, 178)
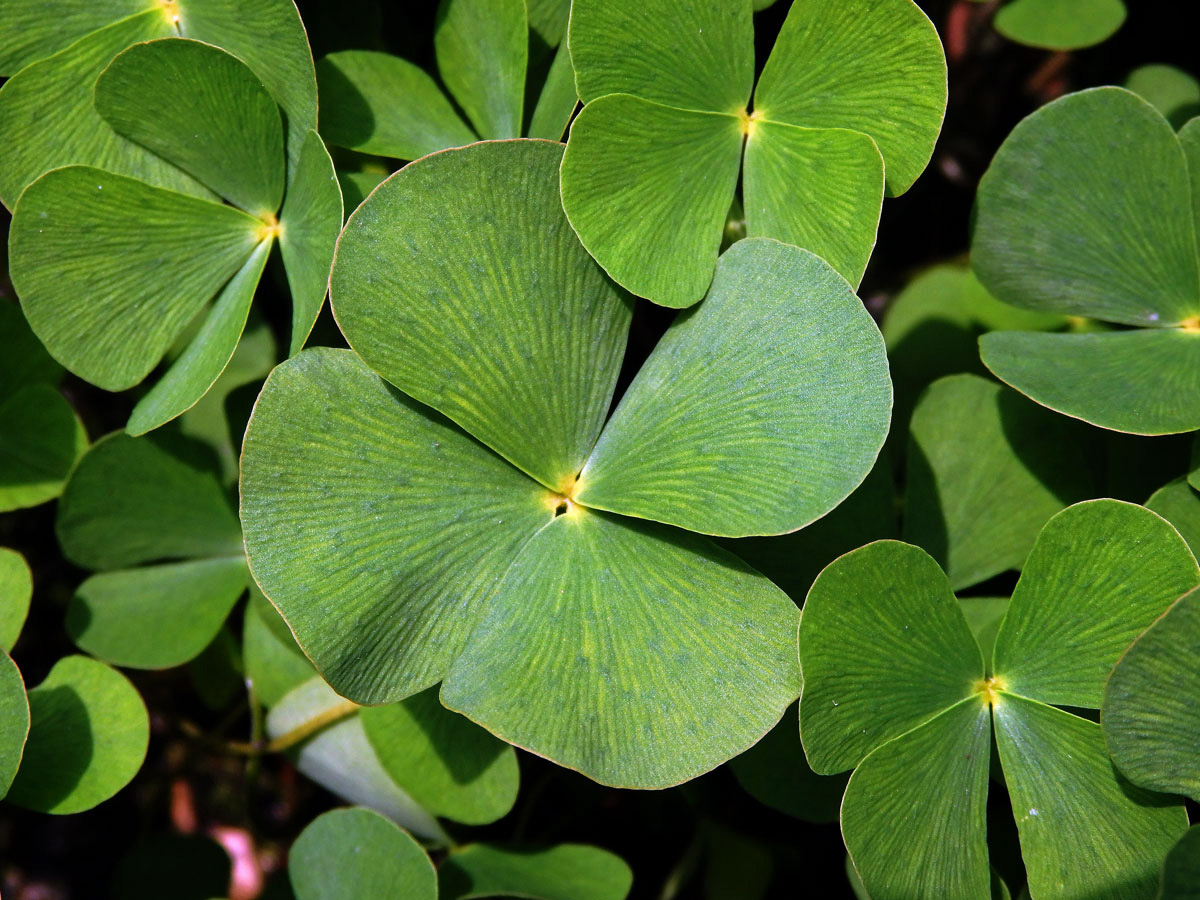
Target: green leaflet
(1058, 643)
(845, 85)
(477, 307)
(754, 365)
(138, 95)
(561, 872)
(347, 854)
(158, 616)
(364, 500)
(1084, 832)
(16, 589)
(481, 53)
(1060, 24)
(986, 469)
(450, 766)
(339, 756)
(648, 705)
(14, 720)
(398, 548)
(378, 103)
(87, 738)
(1150, 722)
(40, 439)
(1056, 230)
(1178, 503)
(110, 270)
(273, 661)
(1171, 91)
(36, 30)
(557, 99)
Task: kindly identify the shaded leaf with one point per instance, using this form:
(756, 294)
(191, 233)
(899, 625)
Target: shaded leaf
(884, 648)
(450, 766)
(156, 617)
(1173, 92)
(1179, 504)
(1060, 24)
(394, 518)
(38, 29)
(914, 815)
(557, 99)
(656, 655)
(759, 410)
(1149, 715)
(1084, 833)
(460, 282)
(24, 360)
(347, 854)
(14, 720)
(40, 440)
(274, 662)
(561, 872)
(1181, 869)
(16, 589)
(482, 49)
(1098, 575)
(87, 738)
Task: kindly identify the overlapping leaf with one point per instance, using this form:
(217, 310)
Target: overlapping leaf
(110, 268)
(1087, 210)
(850, 90)
(895, 686)
(403, 550)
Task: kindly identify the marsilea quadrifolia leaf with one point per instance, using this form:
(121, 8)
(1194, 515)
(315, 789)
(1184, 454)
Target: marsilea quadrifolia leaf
(448, 504)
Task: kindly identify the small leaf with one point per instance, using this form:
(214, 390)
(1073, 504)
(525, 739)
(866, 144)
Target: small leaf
(87, 738)
(203, 110)
(339, 757)
(110, 270)
(1084, 211)
(884, 648)
(446, 763)
(557, 100)
(1098, 575)
(136, 500)
(348, 854)
(759, 410)
(1173, 92)
(697, 56)
(1060, 24)
(461, 283)
(654, 226)
(816, 188)
(378, 103)
(309, 225)
(14, 720)
(208, 353)
(1150, 719)
(16, 589)
(915, 811)
(656, 655)
(873, 67)
(561, 872)
(986, 469)
(156, 617)
(393, 517)
(40, 440)
(1142, 381)
(1084, 833)
(482, 51)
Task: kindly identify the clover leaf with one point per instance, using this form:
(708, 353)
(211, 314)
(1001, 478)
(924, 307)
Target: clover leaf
(1173, 92)
(560, 872)
(897, 688)
(156, 500)
(508, 537)
(379, 103)
(1149, 716)
(1059, 24)
(1088, 209)
(111, 269)
(851, 90)
(59, 55)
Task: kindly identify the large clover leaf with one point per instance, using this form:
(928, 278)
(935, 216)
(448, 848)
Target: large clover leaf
(506, 538)
(58, 51)
(851, 90)
(378, 103)
(896, 686)
(111, 269)
(1088, 209)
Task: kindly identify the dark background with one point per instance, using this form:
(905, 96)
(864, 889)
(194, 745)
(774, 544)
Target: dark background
(708, 838)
